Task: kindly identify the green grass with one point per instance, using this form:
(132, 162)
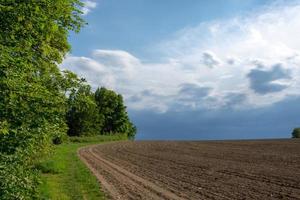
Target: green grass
(64, 175)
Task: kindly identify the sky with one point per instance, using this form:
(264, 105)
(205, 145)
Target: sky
(195, 70)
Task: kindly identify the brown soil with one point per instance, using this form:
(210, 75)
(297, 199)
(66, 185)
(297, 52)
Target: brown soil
(266, 169)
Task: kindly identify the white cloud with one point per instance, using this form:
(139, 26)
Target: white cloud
(217, 55)
(95, 72)
(88, 6)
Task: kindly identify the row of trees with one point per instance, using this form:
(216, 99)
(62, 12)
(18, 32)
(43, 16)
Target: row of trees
(102, 112)
(39, 103)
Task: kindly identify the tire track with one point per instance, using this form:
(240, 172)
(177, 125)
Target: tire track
(205, 191)
(146, 189)
(89, 163)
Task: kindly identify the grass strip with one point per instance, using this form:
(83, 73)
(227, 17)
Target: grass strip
(65, 176)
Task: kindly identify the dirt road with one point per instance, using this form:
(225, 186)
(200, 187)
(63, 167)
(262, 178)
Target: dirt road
(197, 170)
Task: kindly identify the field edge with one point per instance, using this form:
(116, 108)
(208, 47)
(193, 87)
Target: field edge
(64, 176)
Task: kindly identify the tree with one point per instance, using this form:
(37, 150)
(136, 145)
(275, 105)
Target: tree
(296, 133)
(70, 82)
(111, 106)
(33, 41)
(82, 116)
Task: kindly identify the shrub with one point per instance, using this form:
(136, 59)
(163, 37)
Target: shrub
(17, 180)
(296, 133)
(59, 139)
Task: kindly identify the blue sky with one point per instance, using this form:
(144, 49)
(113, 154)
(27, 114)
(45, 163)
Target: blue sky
(133, 25)
(196, 69)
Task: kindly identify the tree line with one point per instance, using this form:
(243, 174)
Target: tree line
(39, 104)
(93, 113)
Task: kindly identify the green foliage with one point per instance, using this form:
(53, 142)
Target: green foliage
(100, 113)
(33, 40)
(70, 82)
(296, 133)
(82, 116)
(98, 138)
(17, 182)
(59, 139)
(36, 98)
(111, 106)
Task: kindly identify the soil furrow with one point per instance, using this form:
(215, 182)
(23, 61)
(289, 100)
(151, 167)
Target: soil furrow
(268, 169)
(139, 181)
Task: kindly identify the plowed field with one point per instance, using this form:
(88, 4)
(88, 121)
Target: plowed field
(265, 169)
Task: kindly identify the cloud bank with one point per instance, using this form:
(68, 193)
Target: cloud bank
(245, 63)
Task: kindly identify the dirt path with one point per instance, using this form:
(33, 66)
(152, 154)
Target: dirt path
(197, 170)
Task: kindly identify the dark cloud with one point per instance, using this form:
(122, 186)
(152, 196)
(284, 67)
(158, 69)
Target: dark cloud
(231, 61)
(209, 60)
(189, 97)
(134, 99)
(192, 92)
(144, 94)
(275, 121)
(148, 93)
(234, 99)
(261, 80)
